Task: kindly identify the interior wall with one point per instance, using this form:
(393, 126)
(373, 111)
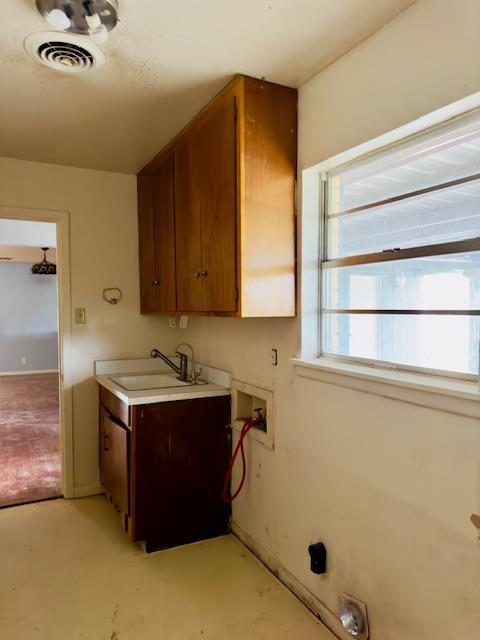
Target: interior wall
(104, 253)
(387, 485)
(28, 320)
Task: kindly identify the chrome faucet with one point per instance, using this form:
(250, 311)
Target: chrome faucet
(182, 370)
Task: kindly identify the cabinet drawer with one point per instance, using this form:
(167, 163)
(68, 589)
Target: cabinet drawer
(115, 406)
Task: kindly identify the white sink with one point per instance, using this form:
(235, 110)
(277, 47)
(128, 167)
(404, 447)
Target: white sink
(143, 381)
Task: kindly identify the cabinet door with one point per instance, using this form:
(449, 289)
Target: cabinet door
(188, 228)
(156, 230)
(182, 451)
(146, 243)
(114, 461)
(102, 446)
(164, 218)
(205, 191)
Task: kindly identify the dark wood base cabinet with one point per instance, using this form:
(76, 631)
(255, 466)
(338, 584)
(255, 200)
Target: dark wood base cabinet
(163, 465)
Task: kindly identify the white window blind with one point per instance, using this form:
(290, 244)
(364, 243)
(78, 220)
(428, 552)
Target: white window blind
(401, 253)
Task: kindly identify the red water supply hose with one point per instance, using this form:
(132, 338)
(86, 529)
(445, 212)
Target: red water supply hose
(227, 497)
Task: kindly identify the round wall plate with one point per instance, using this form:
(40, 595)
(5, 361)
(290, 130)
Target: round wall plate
(354, 617)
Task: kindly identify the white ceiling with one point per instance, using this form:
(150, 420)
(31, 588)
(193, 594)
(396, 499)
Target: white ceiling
(27, 233)
(165, 61)
(24, 255)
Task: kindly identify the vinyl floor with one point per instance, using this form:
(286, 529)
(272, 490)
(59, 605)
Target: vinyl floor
(68, 571)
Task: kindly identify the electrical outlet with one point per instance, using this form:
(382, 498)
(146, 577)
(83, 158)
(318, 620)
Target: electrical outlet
(24, 360)
(274, 357)
(80, 315)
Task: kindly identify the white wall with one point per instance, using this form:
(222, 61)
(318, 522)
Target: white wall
(28, 319)
(426, 58)
(104, 253)
(388, 486)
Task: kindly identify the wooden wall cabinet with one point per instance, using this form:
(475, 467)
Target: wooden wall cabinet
(231, 197)
(163, 465)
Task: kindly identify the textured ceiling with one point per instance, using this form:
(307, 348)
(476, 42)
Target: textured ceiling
(165, 61)
(24, 255)
(27, 233)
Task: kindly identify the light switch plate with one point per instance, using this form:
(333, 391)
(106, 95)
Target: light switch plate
(80, 315)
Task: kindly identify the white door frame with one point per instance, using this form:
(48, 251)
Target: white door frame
(62, 221)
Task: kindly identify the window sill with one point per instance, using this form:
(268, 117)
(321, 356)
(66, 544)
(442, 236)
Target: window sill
(454, 396)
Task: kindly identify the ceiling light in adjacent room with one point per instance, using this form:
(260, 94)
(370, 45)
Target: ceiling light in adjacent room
(44, 267)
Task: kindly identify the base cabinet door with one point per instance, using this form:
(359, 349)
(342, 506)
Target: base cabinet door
(114, 462)
(182, 456)
(165, 473)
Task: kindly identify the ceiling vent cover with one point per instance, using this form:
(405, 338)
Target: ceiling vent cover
(64, 51)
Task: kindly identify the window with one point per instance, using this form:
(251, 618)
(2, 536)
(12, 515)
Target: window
(400, 274)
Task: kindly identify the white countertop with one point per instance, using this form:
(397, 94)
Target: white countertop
(218, 381)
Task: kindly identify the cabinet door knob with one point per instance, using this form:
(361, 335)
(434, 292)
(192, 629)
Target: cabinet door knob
(155, 283)
(204, 273)
(197, 274)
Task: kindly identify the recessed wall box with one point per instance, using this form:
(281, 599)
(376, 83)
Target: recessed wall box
(246, 400)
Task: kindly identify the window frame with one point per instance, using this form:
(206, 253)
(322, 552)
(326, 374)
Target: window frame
(388, 255)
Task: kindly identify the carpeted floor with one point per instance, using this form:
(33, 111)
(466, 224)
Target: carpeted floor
(29, 438)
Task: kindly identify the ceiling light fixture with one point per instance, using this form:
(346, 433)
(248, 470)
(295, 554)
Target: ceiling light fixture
(44, 268)
(93, 18)
(96, 30)
(58, 19)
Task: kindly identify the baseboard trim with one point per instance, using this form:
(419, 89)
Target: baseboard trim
(85, 490)
(306, 597)
(27, 373)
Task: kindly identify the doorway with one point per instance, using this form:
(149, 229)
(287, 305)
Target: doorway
(35, 388)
